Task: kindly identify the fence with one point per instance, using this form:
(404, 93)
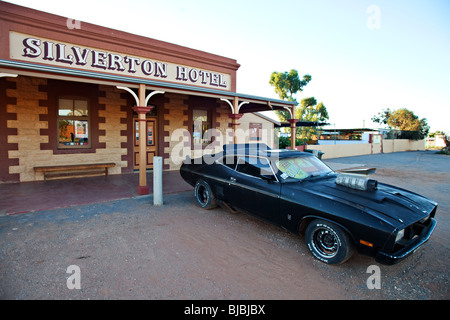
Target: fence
(385, 146)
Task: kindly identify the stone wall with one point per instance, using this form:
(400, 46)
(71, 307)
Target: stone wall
(28, 125)
(31, 126)
(114, 128)
(29, 111)
(175, 117)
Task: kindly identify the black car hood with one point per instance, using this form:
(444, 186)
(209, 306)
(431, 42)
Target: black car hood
(387, 201)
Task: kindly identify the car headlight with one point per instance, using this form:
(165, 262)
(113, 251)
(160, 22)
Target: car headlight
(425, 219)
(400, 235)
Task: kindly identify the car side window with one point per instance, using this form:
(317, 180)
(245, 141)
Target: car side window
(253, 166)
(229, 161)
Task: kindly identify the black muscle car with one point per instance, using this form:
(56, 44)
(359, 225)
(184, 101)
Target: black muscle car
(337, 213)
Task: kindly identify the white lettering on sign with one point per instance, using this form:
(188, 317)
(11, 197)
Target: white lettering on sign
(47, 51)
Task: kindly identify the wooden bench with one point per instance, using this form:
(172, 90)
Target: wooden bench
(74, 170)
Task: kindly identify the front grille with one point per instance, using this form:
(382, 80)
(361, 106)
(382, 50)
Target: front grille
(413, 231)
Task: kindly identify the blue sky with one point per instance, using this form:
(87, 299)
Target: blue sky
(363, 56)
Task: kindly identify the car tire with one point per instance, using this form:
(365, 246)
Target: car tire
(328, 242)
(204, 196)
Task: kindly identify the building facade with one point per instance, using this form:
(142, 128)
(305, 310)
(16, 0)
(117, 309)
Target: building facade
(73, 92)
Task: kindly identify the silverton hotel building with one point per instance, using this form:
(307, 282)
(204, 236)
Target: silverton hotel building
(74, 94)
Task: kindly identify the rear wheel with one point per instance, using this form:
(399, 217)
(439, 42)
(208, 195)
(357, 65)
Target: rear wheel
(328, 242)
(203, 195)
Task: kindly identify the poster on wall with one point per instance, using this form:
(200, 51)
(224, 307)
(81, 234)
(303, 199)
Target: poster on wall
(255, 131)
(150, 134)
(81, 129)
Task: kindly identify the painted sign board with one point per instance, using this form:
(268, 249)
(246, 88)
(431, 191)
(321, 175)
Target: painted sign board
(41, 50)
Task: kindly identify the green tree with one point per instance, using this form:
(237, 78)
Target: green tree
(310, 110)
(287, 84)
(403, 119)
(382, 117)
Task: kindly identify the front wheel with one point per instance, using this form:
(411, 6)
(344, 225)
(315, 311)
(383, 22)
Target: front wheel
(203, 195)
(328, 242)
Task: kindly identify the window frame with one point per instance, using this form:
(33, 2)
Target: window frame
(73, 118)
(222, 161)
(239, 157)
(208, 122)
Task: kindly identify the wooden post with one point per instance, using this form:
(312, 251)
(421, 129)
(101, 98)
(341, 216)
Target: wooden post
(293, 123)
(142, 111)
(235, 124)
(235, 118)
(293, 131)
(142, 140)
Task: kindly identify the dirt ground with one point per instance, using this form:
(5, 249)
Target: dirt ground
(128, 249)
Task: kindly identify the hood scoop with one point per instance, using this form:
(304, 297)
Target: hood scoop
(357, 178)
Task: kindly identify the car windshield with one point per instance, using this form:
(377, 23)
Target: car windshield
(300, 168)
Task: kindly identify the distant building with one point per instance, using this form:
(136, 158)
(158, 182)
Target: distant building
(345, 136)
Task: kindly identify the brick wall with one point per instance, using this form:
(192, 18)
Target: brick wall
(30, 134)
(28, 110)
(175, 117)
(113, 128)
(5, 131)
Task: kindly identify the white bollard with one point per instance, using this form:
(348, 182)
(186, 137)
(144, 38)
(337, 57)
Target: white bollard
(157, 181)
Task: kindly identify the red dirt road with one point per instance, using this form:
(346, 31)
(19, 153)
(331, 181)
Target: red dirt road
(128, 249)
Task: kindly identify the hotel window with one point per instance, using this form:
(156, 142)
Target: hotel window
(73, 123)
(202, 123)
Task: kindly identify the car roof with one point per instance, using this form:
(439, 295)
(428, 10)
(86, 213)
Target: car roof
(260, 149)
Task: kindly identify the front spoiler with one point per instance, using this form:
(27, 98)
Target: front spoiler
(392, 258)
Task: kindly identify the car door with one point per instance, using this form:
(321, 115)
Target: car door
(223, 173)
(247, 190)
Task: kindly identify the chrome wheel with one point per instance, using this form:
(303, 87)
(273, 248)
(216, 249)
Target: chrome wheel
(326, 242)
(204, 195)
